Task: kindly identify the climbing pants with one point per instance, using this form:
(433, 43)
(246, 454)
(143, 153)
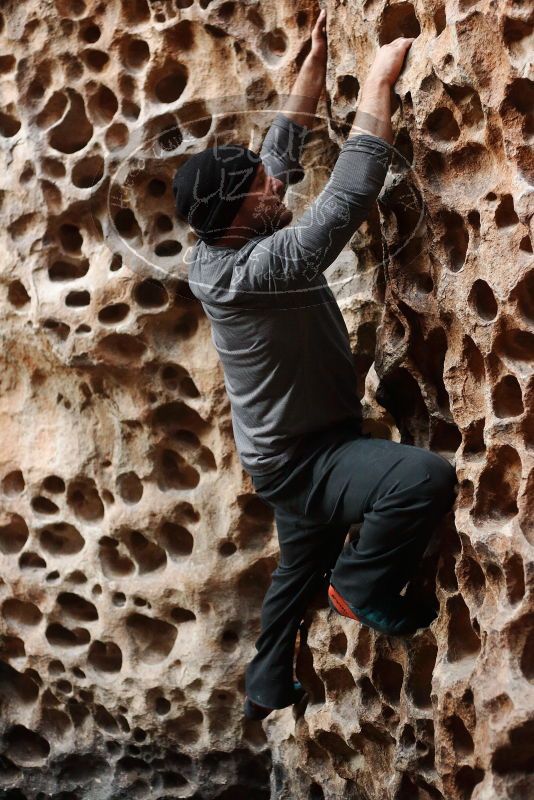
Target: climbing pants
(340, 477)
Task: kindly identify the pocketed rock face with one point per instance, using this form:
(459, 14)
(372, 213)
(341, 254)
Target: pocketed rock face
(135, 553)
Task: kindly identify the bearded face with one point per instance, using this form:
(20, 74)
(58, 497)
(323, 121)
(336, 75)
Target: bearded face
(263, 210)
(270, 213)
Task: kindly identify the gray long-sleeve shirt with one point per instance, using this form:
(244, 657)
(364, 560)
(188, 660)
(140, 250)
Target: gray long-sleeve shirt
(275, 323)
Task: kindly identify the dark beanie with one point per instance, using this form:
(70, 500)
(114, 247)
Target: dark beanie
(210, 187)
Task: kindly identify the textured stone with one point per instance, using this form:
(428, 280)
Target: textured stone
(135, 553)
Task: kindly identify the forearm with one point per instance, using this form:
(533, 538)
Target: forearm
(302, 103)
(296, 254)
(347, 199)
(373, 113)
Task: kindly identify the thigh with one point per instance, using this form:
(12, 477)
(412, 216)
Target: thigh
(337, 481)
(347, 479)
(306, 543)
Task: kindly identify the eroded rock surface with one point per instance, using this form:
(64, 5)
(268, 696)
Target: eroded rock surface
(135, 553)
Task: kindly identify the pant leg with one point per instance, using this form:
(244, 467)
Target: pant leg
(308, 551)
(400, 492)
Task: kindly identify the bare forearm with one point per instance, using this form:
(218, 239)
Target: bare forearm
(302, 103)
(373, 113)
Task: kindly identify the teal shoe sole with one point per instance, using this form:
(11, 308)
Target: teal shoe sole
(364, 618)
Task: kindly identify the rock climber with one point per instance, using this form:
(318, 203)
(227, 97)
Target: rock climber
(291, 379)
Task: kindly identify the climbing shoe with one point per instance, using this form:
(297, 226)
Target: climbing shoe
(392, 615)
(254, 710)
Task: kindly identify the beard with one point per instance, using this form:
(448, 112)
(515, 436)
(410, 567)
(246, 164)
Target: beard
(285, 217)
(268, 218)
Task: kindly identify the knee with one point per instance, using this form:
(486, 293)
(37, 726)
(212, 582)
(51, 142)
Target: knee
(443, 480)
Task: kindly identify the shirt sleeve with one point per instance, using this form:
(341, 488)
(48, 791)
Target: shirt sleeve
(293, 256)
(281, 150)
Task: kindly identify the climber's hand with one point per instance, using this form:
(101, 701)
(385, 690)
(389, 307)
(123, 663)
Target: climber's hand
(319, 43)
(389, 60)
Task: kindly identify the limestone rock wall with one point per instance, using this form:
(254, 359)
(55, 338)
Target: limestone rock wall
(134, 551)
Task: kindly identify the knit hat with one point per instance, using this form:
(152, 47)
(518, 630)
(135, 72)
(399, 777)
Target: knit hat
(210, 187)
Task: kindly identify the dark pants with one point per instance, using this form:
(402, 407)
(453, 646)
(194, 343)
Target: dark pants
(340, 477)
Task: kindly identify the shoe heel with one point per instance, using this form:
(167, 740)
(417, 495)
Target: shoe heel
(253, 711)
(338, 604)
(332, 603)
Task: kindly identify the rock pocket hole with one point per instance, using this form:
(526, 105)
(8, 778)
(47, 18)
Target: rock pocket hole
(514, 573)
(419, 683)
(498, 486)
(96, 60)
(78, 299)
(112, 314)
(54, 484)
(388, 676)
(518, 755)
(348, 87)
(135, 11)
(169, 83)
(103, 105)
(442, 126)
(227, 548)
(505, 215)
(43, 505)
(338, 644)
(440, 20)
(482, 300)
(463, 642)
(523, 295)
(13, 483)
(126, 223)
(527, 658)
(122, 348)
(9, 125)
(196, 119)
(462, 740)
(88, 172)
(167, 248)
(13, 535)
(70, 238)
(74, 131)
(17, 294)
(472, 578)
(129, 487)
(516, 33)
(90, 33)
(455, 240)
(150, 293)
(182, 615)
(398, 20)
(274, 45)
(117, 136)
(84, 500)
(466, 779)
(507, 397)
(67, 271)
(517, 345)
(136, 53)
(176, 539)
(175, 473)
(61, 538)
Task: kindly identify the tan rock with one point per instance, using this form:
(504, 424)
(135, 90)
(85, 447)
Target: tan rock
(135, 553)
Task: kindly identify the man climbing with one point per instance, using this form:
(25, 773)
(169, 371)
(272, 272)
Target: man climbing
(290, 376)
